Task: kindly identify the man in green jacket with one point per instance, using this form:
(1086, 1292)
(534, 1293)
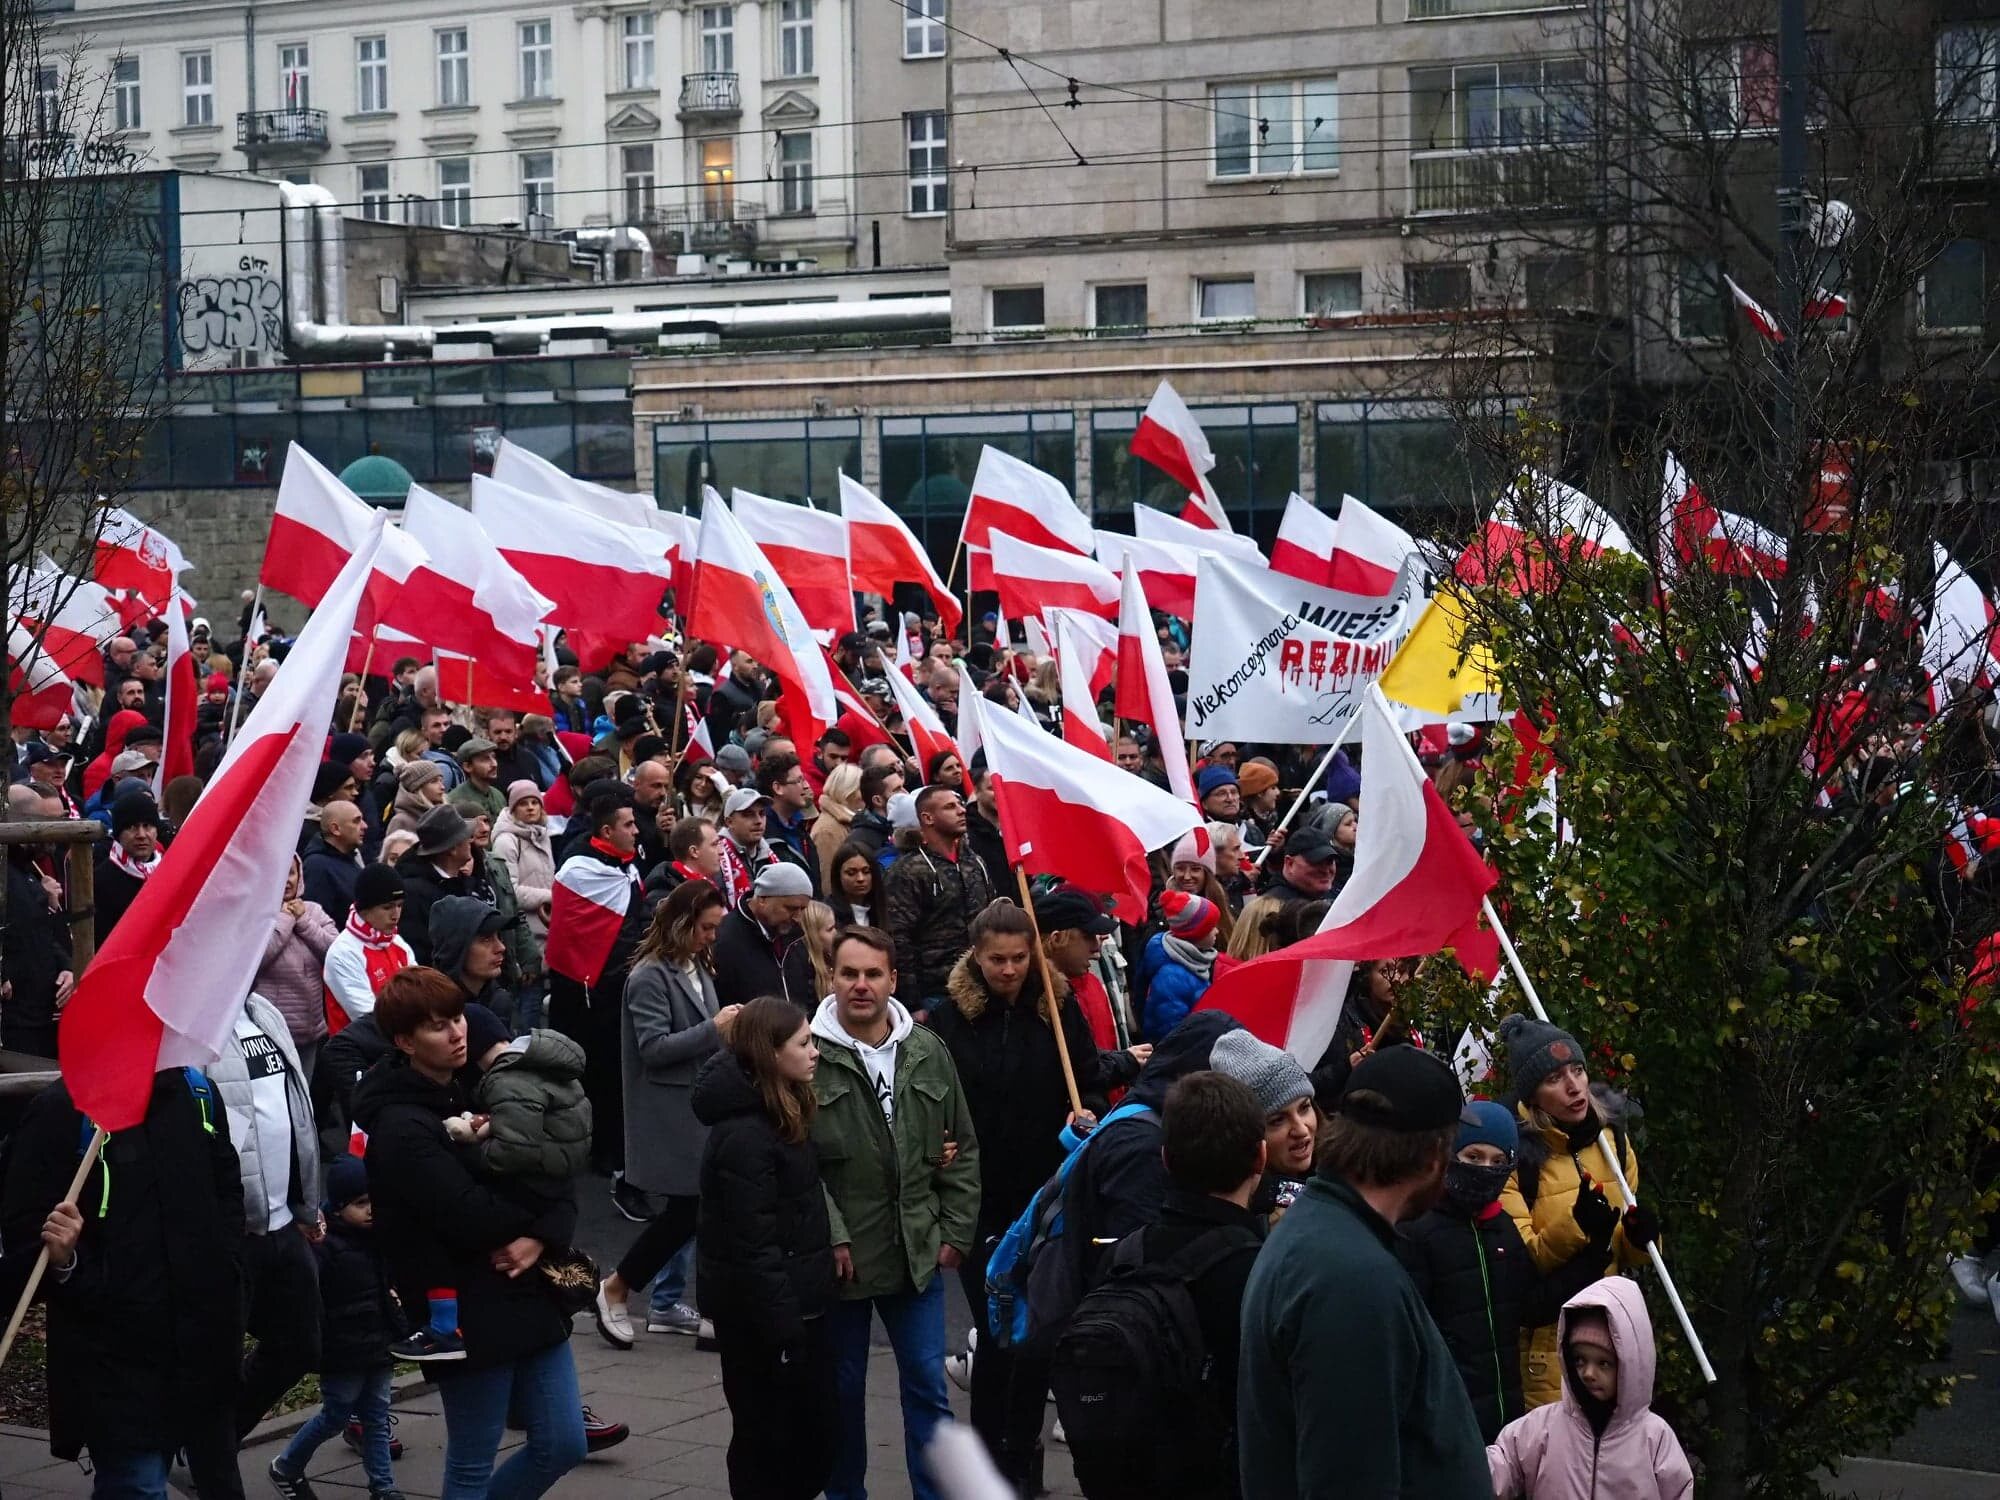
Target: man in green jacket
(901, 1166)
(1345, 1386)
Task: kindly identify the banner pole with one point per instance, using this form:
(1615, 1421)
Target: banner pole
(1311, 781)
(361, 695)
(243, 667)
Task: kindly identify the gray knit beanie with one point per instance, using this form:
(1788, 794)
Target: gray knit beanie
(1273, 1075)
(1535, 1049)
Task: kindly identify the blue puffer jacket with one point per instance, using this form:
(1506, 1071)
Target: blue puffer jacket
(1172, 989)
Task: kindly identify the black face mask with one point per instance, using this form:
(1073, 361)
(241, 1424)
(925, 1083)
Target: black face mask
(1472, 1186)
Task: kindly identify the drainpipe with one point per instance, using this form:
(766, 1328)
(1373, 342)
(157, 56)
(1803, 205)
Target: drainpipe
(250, 82)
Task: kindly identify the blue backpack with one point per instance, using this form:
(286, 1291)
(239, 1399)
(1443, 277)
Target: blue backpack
(1031, 1292)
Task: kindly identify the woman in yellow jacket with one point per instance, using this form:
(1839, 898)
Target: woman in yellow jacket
(1563, 1196)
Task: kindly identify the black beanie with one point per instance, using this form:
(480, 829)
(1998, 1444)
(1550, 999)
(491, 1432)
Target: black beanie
(1535, 1049)
(376, 885)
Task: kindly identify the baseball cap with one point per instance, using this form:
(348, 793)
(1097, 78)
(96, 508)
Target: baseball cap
(1066, 908)
(40, 754)
(854, 640)
(742, 799)
(1409, 1090)
(1310, 845)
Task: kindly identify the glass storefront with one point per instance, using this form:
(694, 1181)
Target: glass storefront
(799, 459)
(1407, 459)
(928, 464)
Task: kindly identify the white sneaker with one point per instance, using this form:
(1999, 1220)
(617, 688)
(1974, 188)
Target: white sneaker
(680, 1318)
(1970, 1274)
(613, 1322)
(958, 1370)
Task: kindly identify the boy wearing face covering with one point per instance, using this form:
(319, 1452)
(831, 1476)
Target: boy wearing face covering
(1475, 1275)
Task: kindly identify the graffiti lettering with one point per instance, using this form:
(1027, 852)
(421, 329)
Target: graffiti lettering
(232, 313)
(252, 263)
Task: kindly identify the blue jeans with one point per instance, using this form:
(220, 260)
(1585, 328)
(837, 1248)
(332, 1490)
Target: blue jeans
(670, 1286)
(363, 1397)
(914, 1322)
(542, 1389)
(129, 1474)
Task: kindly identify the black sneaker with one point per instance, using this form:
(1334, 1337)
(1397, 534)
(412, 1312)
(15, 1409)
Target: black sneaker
(599, 1434)
(629, 1201)
(427, 1344)
(352, 1435)
(289, 1486)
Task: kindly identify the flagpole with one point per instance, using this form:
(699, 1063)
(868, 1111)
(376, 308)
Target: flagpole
(1311, 781)
(1049, 993)
(90, 1155)
(361, 696)
(243, 667)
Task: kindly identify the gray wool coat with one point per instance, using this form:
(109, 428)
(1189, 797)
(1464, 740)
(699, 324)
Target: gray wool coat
(668, 1031)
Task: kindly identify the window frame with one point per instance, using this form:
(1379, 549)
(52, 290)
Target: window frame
(798, 24)
(1306, 278)
(646, 182)
(925, 21)
(715, 37)
(1298, 89)
(1418, 268)
(1097, 290)
(1985, 96)
(638, 35)
(795, 188)
(369, 197)
(936, 183)
(453, 67)
(1207, 319)
(449, 193)
(532, 191)
(993, 323)
(1925, 326)
(127, 102)
(201, 92)
(1685, 266)
(300, 70)
(535, 59)
(375, 67)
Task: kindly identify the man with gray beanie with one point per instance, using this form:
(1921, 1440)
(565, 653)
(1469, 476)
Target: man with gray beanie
(759, 950)
(1284, 1092)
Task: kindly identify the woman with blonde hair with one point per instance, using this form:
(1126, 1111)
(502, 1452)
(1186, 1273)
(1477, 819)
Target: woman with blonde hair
(819, 926)
(839, 802)
(1254, 935)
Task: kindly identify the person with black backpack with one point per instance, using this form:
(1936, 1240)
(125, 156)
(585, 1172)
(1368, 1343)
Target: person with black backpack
(1145, 1372)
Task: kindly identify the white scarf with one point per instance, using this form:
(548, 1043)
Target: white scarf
(366, 935)
(132, 866)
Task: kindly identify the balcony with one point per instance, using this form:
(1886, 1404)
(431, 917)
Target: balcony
(709, 96)
(712, 230)
(279, 131)
(1463, 182)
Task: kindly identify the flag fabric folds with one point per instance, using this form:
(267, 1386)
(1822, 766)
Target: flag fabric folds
(1164, 526)
(1166, 571)
(1080, 725)
(182, 697)
(1435, 670)
(1171, 440)
(882, 552)
(926, 730)
(129, 554)
(585, 913)
(1029, 579)
(43, 695)
(465, 597)
(1017, 498)
(1144, 693)
(598, 574)
(75, 618)
(1760, 318)
(1304, 545)
(809, 549)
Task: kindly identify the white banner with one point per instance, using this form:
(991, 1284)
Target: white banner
(1282, 661)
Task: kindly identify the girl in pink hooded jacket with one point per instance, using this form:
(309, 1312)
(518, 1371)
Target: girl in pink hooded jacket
(1601, 1441)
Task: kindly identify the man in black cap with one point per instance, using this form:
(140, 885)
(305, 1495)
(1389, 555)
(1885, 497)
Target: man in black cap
(440, 865)
(48, 770)
(129, 861)
(1345, 1385)
(1305, 867)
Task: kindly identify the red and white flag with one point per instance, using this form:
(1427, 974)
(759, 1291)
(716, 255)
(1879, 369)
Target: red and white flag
(465, 597)
(882, 552)
(809, 549)
(1093, 640)
(1760, 319)
(1959, 637)
(1064, 812)
(1697, 530)
(1171, 440)
(182, 698)
(740, 598)
(1417, 887)
(167, 988)
(1156, 525)
(129, 554)
(316, 527)
(1824, 306)
(600, 575)
(532, 474)
(1080, 725)
(1304, 545)
(1030, 579)
(970, 740)
(1144, 693)
(585, 914)
(1166, 572)
(75, 618)
(1535, 517)
(1368, 551)
(1017, 498)
(920, 720)
(43, 695)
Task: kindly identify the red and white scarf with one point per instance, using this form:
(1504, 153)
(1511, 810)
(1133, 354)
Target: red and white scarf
(133, 867)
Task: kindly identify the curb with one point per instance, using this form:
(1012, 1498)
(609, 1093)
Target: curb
(403, 1388)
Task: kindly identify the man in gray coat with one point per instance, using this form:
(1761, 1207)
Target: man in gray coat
(269, 1103)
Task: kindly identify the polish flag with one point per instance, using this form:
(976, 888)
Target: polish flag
(1959, 638)
(1065, 812)
(855, 715)
(882, 552)
(920, 720)
(585, 914)
(1760, 320)
(1144, 694)
(317, 525)
(129, 554)
(809, 549)
(1030, 579)
(461, 679)
(535, 475)
(1093, 640)
(1166, 572)
(740, 598)
(375, 653)
(600, 574)
(1156, 525)
(183, 695)
(1080, 725)
(1535, 516)
(1368, 551)
(1729, 544)
(76, 619)
(1020, 500)
(465, 597)
(43, 696)
(700, 745)
(1305, 542)
(970, 740)
(1824, 306)
(167, 989)
(1171, 440)
(1418, 886)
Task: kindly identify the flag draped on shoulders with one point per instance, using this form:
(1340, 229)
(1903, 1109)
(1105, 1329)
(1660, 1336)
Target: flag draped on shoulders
(585, 914)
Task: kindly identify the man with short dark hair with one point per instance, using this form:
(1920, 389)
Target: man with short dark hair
(833, 749)
(1125, 751)
(1346, 1385)
(786, 827)
(513, 761)
(871, 828)
(693, 853)
(982, 822)
(932, 893)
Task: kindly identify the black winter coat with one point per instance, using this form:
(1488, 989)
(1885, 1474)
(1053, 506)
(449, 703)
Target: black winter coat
(928, 903)
(112, 891)
(359, 1318)
(763, 1243)
(437, 1216)
(749, 964)
(423, 888)
(1483, 1292)
(983, 836)
(345, 1057)
(146, 1334)
(330, 878)
(36, 949)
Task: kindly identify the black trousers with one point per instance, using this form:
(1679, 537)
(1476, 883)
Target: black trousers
(590, 1019)
(658, 1243)
(1008, 1389)
(784, 1416)
(281, 1312)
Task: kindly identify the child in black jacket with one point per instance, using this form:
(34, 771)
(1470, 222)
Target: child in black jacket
(1475, 1275)
(359, 1321)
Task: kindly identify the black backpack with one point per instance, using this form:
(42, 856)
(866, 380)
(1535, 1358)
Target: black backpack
(1132, 1372)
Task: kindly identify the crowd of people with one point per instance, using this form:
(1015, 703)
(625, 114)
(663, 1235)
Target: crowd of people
(828, 1064)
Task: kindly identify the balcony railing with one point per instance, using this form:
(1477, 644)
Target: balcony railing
(281, 129)
(703, 230)
(1457, 182)
(709, 96)
(1423, 10)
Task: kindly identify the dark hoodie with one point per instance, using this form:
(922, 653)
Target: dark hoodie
(454, 924)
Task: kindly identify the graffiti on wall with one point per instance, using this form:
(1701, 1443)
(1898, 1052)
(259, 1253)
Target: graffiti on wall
(232, 313)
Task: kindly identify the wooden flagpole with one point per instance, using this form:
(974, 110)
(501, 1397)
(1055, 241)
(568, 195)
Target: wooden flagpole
(243, 667)
(361, 696)
(1049, 993)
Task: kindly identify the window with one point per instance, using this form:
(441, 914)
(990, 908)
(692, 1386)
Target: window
(1555, 281)
(636, 165)
(538, 60)
(1951, 296)
(1332, 294)
(795, 38)
(1017, 307)
(1275, 129)
(125, 93)
(1968, 62)
(538, 184)
(925, 133)
(718, 38)
(1733, 85)
(295, 75)
(197, 88)
(1230, 299)
(639, 66)
(1699, 316)
(923, 28)
(455, 191)
(1485, 105)
(718, 180)
(795, 171)
(1119, 308)
(48, 101)
(1436, 287)
(371, 68)
(375, 192)
(454, 61)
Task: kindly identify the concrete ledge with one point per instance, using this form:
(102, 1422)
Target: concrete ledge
(1889, 1479)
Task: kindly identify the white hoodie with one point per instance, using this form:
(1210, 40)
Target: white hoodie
(879, 1063)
